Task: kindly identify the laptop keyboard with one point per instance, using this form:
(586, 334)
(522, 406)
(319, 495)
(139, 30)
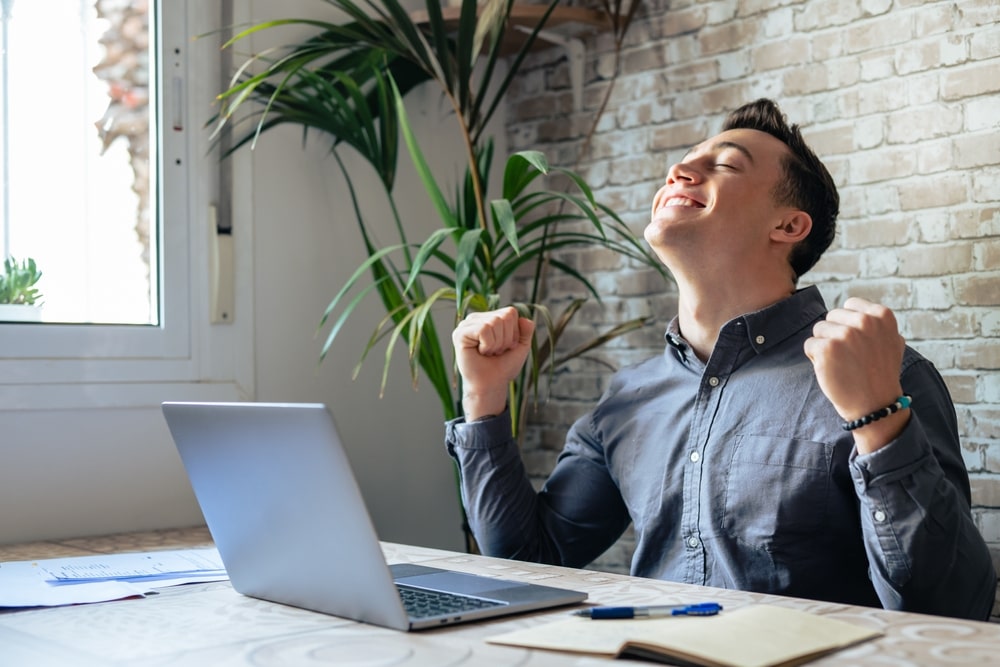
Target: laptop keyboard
(423, 603)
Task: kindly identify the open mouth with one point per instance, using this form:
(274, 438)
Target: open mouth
(682, 201)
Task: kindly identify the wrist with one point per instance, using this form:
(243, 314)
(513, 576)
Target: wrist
(879, 427)
(877, 435)
(482, 405)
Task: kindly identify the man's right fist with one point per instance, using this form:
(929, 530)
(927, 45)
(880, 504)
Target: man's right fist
(490, 349)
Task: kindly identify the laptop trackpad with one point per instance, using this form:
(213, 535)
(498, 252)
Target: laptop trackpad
(456, 582)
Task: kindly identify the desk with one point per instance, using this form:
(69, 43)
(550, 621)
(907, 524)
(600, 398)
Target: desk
(210, 624)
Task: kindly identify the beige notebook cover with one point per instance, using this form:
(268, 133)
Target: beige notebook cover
(756, 636)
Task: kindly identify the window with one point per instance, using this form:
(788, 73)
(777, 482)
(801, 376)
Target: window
(76, 121)
(144, 323)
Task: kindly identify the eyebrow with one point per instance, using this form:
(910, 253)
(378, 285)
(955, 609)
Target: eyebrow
(721, 145)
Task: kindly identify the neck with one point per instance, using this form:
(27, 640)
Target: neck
(703, 308)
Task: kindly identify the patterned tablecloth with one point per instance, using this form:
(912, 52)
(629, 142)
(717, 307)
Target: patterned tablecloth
(210, 624)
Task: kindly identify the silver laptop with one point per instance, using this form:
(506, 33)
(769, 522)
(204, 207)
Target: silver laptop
(281, 502)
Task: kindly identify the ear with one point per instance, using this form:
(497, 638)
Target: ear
(793, 226)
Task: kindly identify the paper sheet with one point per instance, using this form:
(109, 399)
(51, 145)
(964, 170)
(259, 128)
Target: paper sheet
(84, 579)
(133, 566)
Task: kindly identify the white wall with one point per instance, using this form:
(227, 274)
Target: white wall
(97, 468)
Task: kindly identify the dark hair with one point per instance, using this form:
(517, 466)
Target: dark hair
(807, 184)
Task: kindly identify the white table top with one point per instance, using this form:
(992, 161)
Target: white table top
(210, 624)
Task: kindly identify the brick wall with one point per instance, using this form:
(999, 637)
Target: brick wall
(900, 97)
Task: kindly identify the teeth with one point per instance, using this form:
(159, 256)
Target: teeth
(681, 201)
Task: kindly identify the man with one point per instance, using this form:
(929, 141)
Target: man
(773, 446)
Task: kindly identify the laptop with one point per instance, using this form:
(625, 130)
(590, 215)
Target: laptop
(278, 495)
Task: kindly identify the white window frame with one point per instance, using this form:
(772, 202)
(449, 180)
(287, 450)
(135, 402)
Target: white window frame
(62, 366)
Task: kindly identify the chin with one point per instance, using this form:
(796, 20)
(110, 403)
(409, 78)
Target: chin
(658, 230)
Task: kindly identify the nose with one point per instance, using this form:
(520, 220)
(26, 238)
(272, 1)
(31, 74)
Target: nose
(682, 171)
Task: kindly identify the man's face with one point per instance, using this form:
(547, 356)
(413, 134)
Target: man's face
(717, 201)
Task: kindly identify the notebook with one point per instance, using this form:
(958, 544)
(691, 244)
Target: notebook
(278, 495)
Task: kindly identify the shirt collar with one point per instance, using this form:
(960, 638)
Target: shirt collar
(768, 326)
(771, 325)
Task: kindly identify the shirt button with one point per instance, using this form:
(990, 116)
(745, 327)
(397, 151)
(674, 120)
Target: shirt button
(713, 381)
(695, 457)
(760, 340)
(879, 516)
(693, 542)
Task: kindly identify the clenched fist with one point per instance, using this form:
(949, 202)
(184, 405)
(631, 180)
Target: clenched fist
(490, 349)
(857, 353)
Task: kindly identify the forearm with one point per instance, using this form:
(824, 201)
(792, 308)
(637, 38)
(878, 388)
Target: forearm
(925, 552)
(576, 516)
(500, 503)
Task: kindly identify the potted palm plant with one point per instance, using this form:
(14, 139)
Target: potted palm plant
(348, 80)
(20, 300)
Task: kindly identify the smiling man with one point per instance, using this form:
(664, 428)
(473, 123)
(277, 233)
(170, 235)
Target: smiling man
(774, 446)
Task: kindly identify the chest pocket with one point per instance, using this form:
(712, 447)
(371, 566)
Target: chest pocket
(777, 491)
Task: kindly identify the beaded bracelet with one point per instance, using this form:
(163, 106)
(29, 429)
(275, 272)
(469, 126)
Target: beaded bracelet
(901, 403)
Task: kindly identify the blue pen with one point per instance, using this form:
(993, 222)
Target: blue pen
(699, 609)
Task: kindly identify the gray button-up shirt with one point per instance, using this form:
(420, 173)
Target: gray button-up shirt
(736, 473)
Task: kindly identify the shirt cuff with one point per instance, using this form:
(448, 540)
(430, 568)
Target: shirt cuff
(895, 461)
(480, 434)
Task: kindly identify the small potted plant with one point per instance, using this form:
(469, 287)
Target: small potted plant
(20, 300)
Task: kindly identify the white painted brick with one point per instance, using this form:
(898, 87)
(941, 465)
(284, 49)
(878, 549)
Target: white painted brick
(934, 156)
(933, 226)
(992, 457)
(977, 150)
(880, 199)
(921, 89)
(721, 12)
(955, 49)
(973, 459)
(989, 324)
(882, 164)
(779, 22)
(986, 184)
(827, 45)
(820, 15)
(875, 7)
(633, 115)
(733, 65)
(989, 525)
(682, 49)
(982, 113)
(933, 293)
(940, 353)
(827, 109)
(934, 19)
(869, 132)
(915, 124)
(770, 87)
(882, 262)
(663, 112)
(978, 13)
(877, 66)
(988, 390)
(984, 45)
(607, 123)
